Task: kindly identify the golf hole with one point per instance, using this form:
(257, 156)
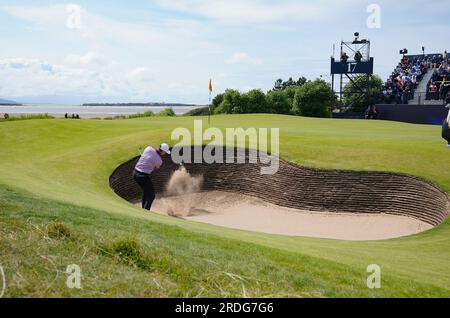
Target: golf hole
(296, 201)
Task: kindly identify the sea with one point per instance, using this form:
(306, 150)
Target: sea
(59, 110)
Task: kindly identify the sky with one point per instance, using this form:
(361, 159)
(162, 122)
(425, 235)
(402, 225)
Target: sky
(167, 50)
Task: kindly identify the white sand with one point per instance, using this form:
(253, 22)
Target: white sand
(253, 214)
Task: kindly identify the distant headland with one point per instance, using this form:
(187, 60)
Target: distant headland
(5, 102)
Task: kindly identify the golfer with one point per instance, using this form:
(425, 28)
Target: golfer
(151, 160)
(446, 127)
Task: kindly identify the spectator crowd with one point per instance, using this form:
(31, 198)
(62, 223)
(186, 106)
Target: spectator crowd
(438, 88)
(400, 86)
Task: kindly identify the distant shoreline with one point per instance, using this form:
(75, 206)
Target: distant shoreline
(103, 110)
(141, 104)
(11, 104)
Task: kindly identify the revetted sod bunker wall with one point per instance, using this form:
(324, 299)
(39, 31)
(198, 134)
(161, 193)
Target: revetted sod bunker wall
(305, 188)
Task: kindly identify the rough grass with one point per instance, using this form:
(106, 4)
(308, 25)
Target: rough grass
(138, 115)
(26, 117)
(59, 231)
(167, 112)
(125, 257)
(64, 167)
(201, 111)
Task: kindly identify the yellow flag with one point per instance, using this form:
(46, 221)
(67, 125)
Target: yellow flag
(210, 86)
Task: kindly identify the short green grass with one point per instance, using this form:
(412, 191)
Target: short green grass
(56, 208)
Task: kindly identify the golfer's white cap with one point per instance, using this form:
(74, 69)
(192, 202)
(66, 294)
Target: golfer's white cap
(165, 148)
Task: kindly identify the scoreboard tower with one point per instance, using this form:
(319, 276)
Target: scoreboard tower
(353, 62)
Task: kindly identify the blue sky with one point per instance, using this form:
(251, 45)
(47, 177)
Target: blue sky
(166, 50)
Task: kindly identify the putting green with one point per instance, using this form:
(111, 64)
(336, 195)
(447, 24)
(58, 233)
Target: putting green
(70, 161)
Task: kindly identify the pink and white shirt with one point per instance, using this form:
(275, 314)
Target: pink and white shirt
(149, 161)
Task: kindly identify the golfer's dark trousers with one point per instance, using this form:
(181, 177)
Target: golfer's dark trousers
(148, 192)
(446, 131)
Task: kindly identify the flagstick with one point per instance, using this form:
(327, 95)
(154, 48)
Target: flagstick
(209, 105)
(209, 110)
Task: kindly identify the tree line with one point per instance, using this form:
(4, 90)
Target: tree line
(302, 97)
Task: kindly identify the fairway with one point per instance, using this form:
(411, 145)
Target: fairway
(56, 172)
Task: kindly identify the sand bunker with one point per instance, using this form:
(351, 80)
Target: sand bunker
(182, 198)
(360, 205)
(248, 213)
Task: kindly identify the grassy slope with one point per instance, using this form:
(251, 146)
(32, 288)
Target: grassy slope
(70, 161)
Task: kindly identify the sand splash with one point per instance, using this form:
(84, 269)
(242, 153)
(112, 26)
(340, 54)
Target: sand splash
(180, 191)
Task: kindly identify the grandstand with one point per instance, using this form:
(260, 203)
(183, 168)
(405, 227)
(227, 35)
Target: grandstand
(417, 90)
(438, 87)
(418, 80)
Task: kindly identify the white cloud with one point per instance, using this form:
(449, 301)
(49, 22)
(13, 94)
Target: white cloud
(152, 53)
(249, 11)
(89, 59)
(240, 58)
(31, 77)
(141, 74)
(95, 29)
(42, 16)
